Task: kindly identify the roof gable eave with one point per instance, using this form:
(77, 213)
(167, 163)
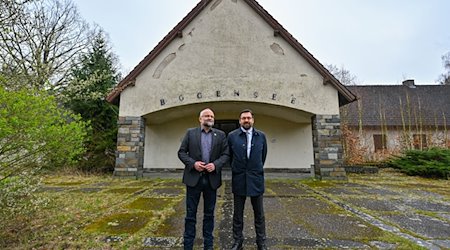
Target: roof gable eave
(345, 96)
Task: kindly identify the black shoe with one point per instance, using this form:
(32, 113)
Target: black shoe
(262, 246)
(237, 245)
(208, 248)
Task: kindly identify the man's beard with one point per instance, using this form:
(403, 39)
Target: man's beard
(246, 126)
(208, 124)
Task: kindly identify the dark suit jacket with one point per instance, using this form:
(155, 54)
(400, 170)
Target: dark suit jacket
(247, 173)
(191, 151)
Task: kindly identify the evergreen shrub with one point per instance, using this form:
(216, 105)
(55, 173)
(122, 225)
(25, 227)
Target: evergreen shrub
(433, 162)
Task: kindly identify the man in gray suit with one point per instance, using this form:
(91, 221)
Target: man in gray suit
(204, 151)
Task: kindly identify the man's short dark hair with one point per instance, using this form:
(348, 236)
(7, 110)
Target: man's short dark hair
(246, 111)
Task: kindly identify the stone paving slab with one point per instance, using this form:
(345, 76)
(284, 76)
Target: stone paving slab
(427, 205)
(279, 221)
(377, 191)
(423, 225)
(341, 191)
(340, 226)
(282, 189)
(445, 216)
(376, 205)
(307, 206)
(443, 243)
(423, 193)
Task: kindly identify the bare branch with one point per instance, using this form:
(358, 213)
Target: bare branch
(41, 40)
(342, 74)
(444, 78)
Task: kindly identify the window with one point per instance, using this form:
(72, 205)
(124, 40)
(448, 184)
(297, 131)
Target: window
(420, 141)
(379, 142)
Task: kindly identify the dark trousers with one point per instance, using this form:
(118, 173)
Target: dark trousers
(238, 218)
(209, 202)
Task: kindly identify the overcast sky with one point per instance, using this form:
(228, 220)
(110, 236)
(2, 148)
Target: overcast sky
(378, 41)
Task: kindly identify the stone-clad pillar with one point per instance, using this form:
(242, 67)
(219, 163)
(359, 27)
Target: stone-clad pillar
(130, 147)
(328, 164)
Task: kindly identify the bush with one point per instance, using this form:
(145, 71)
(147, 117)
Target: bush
(20, 203)
(434, 162)
(18, 196)
(36, 132)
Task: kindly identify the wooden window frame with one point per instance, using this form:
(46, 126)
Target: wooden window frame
(379, 142)
(420, 141)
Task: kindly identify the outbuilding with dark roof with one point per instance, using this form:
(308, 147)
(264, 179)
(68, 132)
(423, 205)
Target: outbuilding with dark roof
(389, 118)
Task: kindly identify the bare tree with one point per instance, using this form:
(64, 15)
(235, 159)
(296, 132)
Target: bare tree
(10, 9)
(444, 78)
(39, 40)
(342, 74)
(8, 12)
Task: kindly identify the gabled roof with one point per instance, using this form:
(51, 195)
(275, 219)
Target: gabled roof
(421, 105)
(345, 96)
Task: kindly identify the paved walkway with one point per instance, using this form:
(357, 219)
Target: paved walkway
(367, 212)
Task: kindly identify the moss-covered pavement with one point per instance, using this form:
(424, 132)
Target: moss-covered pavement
(387, 210)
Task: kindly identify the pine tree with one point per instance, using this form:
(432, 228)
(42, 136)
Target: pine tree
(91, 80)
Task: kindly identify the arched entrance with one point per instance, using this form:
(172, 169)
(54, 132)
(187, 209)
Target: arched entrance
(288, 131)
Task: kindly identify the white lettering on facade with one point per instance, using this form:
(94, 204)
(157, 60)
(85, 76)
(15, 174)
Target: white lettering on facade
(236, 93)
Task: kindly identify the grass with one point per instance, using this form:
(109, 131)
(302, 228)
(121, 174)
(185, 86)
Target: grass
(77, 219)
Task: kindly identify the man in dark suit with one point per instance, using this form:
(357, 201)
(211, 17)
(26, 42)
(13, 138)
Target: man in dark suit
(204, 150)
(248, 151)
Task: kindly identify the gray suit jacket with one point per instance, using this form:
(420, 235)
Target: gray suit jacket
(191, 151)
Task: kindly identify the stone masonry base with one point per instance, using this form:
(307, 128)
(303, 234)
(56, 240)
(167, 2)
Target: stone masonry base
(328, 164)
(130, 147)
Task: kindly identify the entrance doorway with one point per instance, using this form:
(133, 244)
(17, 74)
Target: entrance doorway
(226, 125)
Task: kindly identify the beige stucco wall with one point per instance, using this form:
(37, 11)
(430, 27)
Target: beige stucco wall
(227, 50)
(289, 143)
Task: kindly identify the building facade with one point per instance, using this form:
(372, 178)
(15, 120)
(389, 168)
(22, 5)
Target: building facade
(229, 55)
(387, 119)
